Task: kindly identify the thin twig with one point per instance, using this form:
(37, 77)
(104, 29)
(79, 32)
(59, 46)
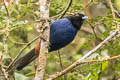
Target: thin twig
(2, 70)
(86, 5)
(93, 29)
(58, 74)
(8, 14)
(113, 12)
(112, 9)
(14, 28)
(66, 9)
(102, 60)
(18, 43)
(61, 64)
(117, 13)
(3, 73)
(14, 60)
(63, 12)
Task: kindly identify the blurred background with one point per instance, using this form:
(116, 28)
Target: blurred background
(24, 17)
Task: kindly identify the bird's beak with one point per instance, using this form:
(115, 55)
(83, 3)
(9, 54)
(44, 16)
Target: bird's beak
(85, 17)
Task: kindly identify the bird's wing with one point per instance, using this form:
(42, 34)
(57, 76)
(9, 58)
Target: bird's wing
(61, 34)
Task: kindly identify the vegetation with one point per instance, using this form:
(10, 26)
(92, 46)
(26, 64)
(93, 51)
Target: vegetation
(18, 26)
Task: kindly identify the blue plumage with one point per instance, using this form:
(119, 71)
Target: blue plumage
(62, 32)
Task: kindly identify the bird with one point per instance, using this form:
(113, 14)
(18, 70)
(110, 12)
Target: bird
(62, 32)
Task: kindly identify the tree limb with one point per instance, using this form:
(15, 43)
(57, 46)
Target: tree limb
(78, 62)
(44, 28)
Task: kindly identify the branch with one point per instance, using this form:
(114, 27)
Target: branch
(14, 60)
(17, 43)
(93, 61)
(60, 60)
(113, 12)
(44, 30)
(112, 9)
(86, 5)
(63, 13)
(2, 70)
(3, 74)
(93, 30)
(105, 59)
(66, 9)
(78, 62)
(8, 14)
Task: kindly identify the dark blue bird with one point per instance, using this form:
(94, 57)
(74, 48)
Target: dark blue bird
(62, 32)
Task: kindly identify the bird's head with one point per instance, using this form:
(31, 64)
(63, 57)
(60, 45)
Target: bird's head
(77, 20)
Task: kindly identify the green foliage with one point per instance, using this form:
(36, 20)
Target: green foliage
(22, 28)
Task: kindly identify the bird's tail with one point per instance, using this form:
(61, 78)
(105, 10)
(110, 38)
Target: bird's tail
(25, 60)
(28, 58)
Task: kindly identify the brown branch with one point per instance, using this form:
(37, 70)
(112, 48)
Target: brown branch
(44, 30)
(63, 12)
(66, 9)
(113, 12)
(14, 60)
(86, 5)
(105, 59)
(9, 30)
(78, 62)
(2, 70)
(93, 61)
(93, 30)
(112, 9)
(3, 74)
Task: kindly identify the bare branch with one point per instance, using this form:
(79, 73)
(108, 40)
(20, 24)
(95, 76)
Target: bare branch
(44, 30)
(78, 62)
(66, 9)
(64, 12)
(87, 5)
(113, 12)
(112, 9)
(93, 30)
(3, 74)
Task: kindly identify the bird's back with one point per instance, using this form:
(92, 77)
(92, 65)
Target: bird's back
(62, 32)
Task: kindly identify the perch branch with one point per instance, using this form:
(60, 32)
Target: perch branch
(78, 62)
(44, 30)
